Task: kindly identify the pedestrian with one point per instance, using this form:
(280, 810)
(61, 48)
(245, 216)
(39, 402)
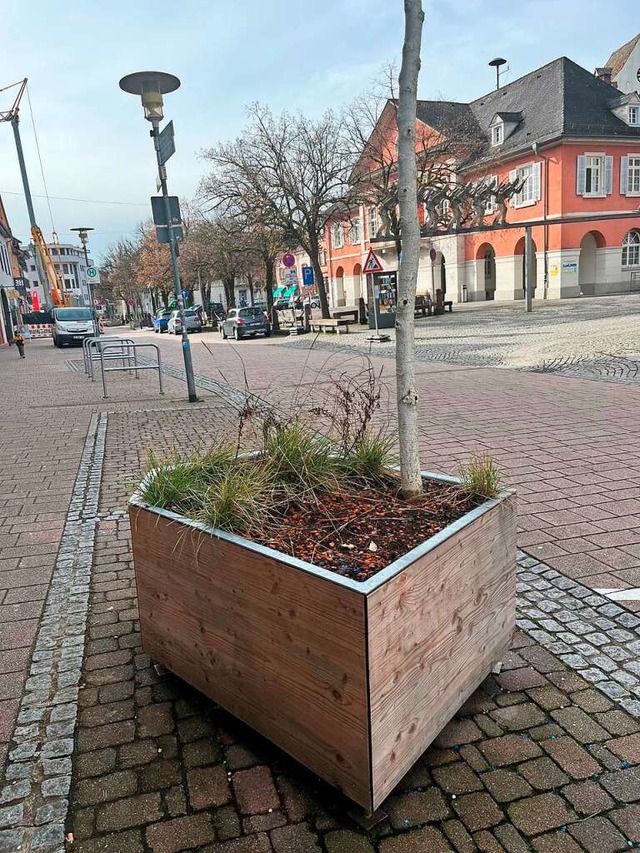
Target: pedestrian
(18, 340)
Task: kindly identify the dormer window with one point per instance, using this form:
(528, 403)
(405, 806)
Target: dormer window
(497, 133)
(634, 116)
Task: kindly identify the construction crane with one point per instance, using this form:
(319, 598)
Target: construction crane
(55, 290)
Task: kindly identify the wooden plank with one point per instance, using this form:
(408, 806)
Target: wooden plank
(279, 648)
(435, 630)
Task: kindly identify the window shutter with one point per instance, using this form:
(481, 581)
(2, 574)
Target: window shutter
(515, 199)
(536, 181)
(608, 175)
(582, 175)
(624, 175)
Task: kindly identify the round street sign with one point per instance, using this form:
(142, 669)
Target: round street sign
(288, 260)
(433, 255)
(184, 294)
(92, 272)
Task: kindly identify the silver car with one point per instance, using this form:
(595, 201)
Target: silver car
(192, 322)
(245, 323)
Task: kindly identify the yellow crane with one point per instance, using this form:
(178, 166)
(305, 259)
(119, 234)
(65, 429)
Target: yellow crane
(55, 290)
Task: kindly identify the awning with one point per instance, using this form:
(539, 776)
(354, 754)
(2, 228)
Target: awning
(290, 291)
(278, 292)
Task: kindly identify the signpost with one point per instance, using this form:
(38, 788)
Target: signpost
(158, 210)
(92, 272)
(288, 260)
(432, 256)
(307, 276)
(372, 266)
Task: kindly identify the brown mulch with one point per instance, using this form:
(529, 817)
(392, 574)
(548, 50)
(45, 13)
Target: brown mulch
(361, 530)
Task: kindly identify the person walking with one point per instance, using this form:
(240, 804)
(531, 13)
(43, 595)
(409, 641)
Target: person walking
(18, 340)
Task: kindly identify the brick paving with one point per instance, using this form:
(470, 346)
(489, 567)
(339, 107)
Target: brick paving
(540, 758)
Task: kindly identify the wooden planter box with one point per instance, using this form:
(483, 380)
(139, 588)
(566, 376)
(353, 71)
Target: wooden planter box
(354, 680)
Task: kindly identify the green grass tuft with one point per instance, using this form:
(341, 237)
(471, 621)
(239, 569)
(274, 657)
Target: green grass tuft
(480, 476)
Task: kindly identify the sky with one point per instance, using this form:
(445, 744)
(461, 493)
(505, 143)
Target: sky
(290, 54)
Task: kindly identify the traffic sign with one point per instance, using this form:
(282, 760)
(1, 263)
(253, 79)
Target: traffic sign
(184, 294)
(166, 143)
(288, 260)
(92, 272)
(432, 255)
(372, 264)
(162, 233)
(307, 276)
(159, 213)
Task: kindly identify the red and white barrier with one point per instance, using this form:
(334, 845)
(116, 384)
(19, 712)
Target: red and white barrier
(40, 330)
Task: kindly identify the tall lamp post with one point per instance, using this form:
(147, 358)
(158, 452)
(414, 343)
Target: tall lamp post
(83, 236)
(151, 86)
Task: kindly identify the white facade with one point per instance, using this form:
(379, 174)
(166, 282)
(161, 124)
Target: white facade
(70, 263)
(628, 78)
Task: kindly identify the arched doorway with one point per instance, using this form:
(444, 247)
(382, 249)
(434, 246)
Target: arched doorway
(587, 265)
(438, 274)
(519, 262)
(339, 298)
(357, 283)
(486, 258)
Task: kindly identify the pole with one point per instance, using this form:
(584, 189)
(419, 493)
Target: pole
(29, 200)
(92, 301)
(528, 269)
(186, 346)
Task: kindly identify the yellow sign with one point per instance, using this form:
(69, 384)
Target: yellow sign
(554, 269)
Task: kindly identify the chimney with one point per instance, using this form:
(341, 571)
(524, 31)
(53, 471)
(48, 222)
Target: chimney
(605, 74)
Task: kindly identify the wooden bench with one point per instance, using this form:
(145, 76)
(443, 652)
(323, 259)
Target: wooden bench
(449, 304)
(345, 312)
(335, 324)
(423, 306)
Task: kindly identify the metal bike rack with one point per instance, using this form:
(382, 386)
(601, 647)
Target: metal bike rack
(117, 348)
(92, 348)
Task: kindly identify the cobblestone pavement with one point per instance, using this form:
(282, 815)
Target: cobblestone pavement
(576, 332)
(544, 757)
(537, 759)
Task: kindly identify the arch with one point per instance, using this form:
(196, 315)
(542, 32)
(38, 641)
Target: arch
(587, 262)
(357, 282)
(519, 268)
(486, 257)
(438, 274)
(340, 294)
(631, 249)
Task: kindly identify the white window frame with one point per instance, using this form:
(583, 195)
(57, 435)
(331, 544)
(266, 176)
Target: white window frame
(633, 116)
(492, 204)
(629, 246)
(372, 221)
(599, 193)
(497, 133)
(354, 231)
(529, 195)
(337, 235)
(631, 172)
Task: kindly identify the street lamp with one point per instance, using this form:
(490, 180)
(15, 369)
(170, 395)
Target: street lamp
(83, 235)
(151, 86)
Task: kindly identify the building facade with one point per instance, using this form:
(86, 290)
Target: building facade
(70, 263)
(623, 66)
(574, 140)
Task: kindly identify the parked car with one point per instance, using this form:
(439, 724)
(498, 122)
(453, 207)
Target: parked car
(284, 304)
(245, 322)
(161, 320)
(72, 326)
(216, 309)
(192, 322)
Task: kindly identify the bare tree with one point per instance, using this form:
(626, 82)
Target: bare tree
(407, 395)
(294, 169)
(118, 269)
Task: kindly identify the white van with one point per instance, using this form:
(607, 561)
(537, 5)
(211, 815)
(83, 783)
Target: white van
(72, 326)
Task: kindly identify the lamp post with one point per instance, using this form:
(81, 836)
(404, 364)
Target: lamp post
(151, 86)
(83, 236)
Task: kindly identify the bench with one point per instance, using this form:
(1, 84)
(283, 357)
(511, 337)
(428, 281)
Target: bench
(345, 312)
(335, 324)
(423, 306)
(449, 304)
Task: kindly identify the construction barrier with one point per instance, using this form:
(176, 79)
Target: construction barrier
(40, 330)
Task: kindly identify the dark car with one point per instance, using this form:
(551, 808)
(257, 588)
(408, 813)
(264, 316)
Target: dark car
(283, 304)
(245, 322)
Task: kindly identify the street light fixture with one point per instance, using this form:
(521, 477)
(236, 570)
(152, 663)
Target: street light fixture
(151, 86)
(83, 235)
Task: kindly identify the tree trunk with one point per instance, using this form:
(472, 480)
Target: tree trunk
(250, 286)
(229, 284)
(411, 481)
(314, 257)
(269, 279)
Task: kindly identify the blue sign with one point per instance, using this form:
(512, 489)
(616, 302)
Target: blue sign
(307, 276)
(184, 294)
